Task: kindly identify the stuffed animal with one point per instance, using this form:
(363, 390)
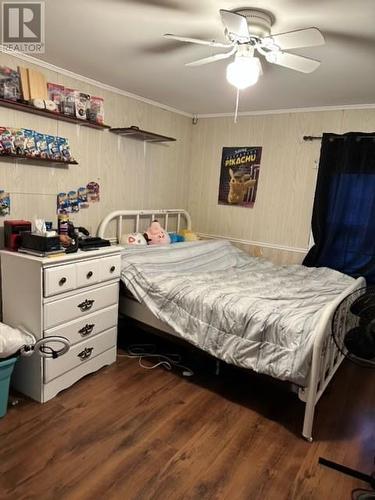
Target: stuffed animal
(133, 239)
(189, 235)
(176, 238)
(156, 235)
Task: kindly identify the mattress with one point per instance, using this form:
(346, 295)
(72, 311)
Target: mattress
(243, 310)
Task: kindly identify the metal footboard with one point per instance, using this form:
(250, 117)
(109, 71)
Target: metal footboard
(326, 356)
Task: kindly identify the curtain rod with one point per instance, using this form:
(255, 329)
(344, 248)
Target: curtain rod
(319, 137)
(312, 138)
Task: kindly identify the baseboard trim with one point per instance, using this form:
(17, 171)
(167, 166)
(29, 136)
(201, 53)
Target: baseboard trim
(263, 244)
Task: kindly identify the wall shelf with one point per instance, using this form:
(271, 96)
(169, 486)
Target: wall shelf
(141, 135)
(28, 159)
(28, 108)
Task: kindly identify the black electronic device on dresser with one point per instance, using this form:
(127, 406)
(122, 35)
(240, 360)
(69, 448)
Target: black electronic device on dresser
(82, 240)
(40, 243)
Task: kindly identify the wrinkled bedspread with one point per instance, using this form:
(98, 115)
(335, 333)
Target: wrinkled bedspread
(241, 309)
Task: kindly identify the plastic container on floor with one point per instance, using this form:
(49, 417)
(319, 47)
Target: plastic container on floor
(6, 369)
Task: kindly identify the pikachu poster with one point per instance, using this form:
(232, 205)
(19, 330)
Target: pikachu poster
(239, 176)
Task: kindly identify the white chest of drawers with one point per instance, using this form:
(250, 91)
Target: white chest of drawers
(75, 296)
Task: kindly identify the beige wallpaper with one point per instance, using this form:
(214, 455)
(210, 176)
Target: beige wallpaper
(282, 213)
(184, 174)
(130, 173)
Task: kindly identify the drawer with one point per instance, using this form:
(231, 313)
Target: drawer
(110, 267)
(59, 279)
(79, 305)
(79, 354)
(88, 272)
(86, 327)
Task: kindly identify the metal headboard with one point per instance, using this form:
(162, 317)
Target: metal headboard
(137, 215)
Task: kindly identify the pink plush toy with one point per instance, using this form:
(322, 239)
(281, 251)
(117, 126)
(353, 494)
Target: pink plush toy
(155, 235)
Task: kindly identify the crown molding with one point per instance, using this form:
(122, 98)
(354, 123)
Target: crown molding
(90, 81)
(343, 107)
(115, 90)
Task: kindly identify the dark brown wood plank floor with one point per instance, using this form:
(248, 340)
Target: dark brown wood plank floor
(128, 433)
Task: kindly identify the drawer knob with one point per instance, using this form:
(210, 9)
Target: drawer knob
(86, 353)
(113, 269)
(62, 281)
(86, 305)
(89, 275)
(86, 330)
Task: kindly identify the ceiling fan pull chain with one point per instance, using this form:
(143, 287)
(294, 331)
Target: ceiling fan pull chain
(237, 103)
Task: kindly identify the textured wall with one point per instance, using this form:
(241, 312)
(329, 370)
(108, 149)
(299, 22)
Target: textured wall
(130, 173)
(282, 212)
(184, 174)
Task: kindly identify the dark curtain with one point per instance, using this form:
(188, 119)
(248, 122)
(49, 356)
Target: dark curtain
(343, 221)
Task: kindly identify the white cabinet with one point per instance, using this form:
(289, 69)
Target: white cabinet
(74, 296)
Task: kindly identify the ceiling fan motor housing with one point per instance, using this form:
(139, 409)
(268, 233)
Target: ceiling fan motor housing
(259, 22)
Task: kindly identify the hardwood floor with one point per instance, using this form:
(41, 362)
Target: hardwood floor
(129, 433)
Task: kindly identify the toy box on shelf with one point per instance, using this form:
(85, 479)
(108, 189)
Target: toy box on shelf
(31, 144)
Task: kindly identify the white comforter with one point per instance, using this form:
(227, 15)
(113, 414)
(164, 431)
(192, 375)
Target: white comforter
(243, 310)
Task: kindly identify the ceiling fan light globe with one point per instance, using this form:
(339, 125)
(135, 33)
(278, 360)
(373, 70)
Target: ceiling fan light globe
(243, 72)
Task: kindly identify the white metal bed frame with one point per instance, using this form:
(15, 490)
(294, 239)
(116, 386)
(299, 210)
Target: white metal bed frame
(326, 357)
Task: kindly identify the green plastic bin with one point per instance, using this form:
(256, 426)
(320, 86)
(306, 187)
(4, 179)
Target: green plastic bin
(6, 369)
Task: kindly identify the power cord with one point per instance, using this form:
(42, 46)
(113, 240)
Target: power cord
(363, 494)
(166, 360)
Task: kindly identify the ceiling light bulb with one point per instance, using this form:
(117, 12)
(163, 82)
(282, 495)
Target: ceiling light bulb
(243, 72)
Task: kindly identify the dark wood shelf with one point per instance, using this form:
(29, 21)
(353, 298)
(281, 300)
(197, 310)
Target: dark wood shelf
(28, 108)
(141, 135)
(28, 159)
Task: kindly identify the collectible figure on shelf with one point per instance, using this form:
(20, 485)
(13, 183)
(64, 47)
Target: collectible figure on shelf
(96, 110)
(82, 197)
(64, 148)
(63, 204)
(53, 147)
(10, 87)
(4, 203)
(82, 105)
(41, 145)
(56, 94)
(68, 102)
(30, 146)
(93, 192)
(7, 141)
(19, 141)
(73, 201)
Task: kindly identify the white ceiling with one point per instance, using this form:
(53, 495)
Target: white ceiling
(119, 42)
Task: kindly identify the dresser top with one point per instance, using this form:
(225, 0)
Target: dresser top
(70, 257)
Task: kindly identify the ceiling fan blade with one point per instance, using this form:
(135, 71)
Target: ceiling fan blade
(235, 23)
(309, 37)
(197, 41)
(211, 59)
(293, 61)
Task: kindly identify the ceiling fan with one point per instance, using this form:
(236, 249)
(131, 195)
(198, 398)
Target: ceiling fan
(249, 31)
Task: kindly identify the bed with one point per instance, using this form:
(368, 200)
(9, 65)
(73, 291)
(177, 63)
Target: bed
(243, 310)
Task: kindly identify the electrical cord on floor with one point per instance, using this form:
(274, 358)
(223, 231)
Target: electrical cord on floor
(363, 494)
(166, 360)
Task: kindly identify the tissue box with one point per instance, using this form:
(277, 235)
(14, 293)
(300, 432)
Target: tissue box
(40, 243)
